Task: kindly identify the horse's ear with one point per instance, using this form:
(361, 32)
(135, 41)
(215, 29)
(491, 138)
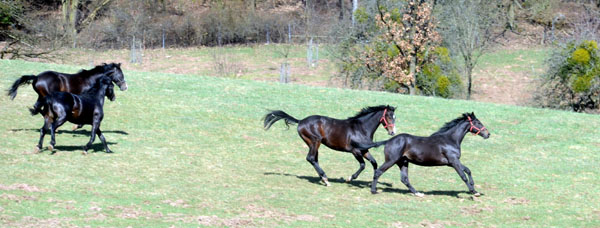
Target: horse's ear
(119, 64)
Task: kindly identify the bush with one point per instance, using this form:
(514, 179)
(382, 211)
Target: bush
(573, 78)
(440, 78)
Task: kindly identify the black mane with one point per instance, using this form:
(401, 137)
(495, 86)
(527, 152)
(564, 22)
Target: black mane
(99, 69)
(368, 110)
(447, 126)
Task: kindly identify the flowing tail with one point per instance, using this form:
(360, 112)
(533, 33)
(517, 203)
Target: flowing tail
(275, 116)
(366, 146)
(25, 79)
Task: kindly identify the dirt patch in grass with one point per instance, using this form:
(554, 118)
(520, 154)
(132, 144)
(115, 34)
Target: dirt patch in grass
(32, 222)
(503, 86)
(516, 201)
(252, 215)
(22, 187)
(476, 209)
(17, 198)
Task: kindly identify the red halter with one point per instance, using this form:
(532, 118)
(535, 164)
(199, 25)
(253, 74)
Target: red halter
(386, 124)
(473, 126)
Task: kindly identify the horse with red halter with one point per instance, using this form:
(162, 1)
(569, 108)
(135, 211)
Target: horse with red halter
(337, 134)
(442, 148)
(48, 82)
(86, 108)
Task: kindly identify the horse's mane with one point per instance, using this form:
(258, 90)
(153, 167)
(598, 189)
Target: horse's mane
(368, 110)
(96, 70)
(447, 126)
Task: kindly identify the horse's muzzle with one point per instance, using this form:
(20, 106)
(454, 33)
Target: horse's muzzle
(122, 86)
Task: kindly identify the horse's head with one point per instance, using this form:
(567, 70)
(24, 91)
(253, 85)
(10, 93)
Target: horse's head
(110, 92)
(388, 120)
(115, 73)
(476, 127)
(106, 84)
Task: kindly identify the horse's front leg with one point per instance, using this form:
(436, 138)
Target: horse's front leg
(57, 123)
(101, 136)
(459, 169)
(92, 138)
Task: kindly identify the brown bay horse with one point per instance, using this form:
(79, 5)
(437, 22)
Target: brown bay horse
(442, 148)
(48, 82)
(337, 134)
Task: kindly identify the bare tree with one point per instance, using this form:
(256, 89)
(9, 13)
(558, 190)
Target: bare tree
(74, 18)
(468, 29)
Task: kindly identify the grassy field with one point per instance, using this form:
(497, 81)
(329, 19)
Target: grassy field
(190, 151)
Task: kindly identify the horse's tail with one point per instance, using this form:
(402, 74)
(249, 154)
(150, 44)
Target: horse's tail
(275, 116)
(366, 146)
(25, 79)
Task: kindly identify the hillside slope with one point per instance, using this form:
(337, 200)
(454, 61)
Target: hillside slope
(190, 150)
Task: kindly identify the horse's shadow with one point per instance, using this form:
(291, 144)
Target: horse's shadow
(367, 184)
(435, 192)
(75, 132)
(341, 180)
(96, 147)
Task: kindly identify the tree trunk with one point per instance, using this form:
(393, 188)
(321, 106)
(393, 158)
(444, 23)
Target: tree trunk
(341, 5)
(354, 8)
(70, 13)
(412, 71)
(469, 79)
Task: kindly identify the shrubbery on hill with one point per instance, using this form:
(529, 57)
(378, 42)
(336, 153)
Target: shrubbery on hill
(573, 78)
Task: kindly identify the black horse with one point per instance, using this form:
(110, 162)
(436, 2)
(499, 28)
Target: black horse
(337, 134)
(87, 108)
(48, 82)
(441, 148)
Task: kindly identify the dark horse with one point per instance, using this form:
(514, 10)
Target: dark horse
(441, 148)
(50, 81)
(337, 134)
(87, 108)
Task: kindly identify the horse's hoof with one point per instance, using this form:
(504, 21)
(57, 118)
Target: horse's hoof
(50, 148)
(348, 179)
(36, 150)
(418, 194)
(84, 153)
(75, 127)
(326, 181)
(109, 152)
(477, 194)
(374, 192)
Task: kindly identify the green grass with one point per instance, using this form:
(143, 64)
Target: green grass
(516, 60)
(190, 151)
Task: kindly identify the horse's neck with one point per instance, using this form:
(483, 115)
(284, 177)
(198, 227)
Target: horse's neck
(370, 122)
(458, 132)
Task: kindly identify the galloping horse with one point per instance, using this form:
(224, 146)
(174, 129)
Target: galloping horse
(50, 81)
(441, 148)
(86, 108)
(337, 134)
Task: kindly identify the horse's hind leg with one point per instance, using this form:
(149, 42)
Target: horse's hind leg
(313, 157)
(101, 136)
(42, 134)
(403, 164)
(37, 107)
